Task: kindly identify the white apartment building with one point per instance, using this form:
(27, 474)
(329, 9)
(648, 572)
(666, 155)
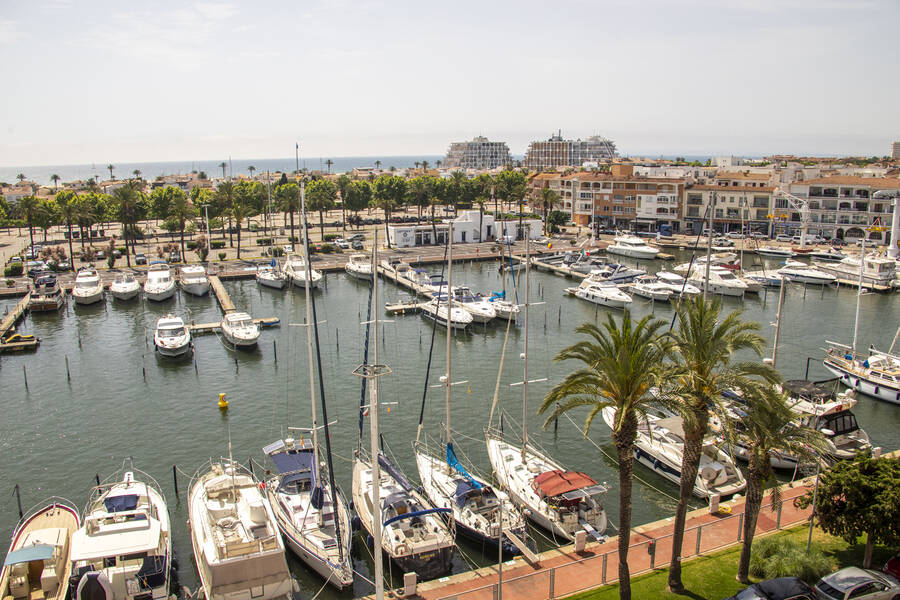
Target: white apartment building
(843, 207)
(737, 200)
(479, 154)
(557, 152)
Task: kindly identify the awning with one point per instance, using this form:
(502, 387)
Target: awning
(121, 503)
(295, 465)
(23, 555)
(555, 483)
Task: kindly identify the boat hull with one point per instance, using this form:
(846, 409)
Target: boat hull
(196, 288)
(46, 303)
(159, 295)
(240, 342)
(173, 351)
(91, 298)
(633, 252)
(357, 274)
(441, 320)
(863, 384)
(276, 284)
(125, 294)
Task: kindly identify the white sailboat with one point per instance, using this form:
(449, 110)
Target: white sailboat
(295, 270)
(561, 501)
(194, 280)
(400, 520)
(480, 512)
(270, 276)
(312, 514)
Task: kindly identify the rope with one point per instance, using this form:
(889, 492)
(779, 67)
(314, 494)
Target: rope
(320, 590)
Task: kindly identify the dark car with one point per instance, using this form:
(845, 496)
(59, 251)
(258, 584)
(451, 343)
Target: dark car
(783, 588)
(837, 242)
(357, 245)
(892, 567)
(175, 257)
(140, 258)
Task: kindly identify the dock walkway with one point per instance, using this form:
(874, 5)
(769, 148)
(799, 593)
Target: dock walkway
(221, 295)
(9, 321)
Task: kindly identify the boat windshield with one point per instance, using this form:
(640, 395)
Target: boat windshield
(841, 423)
(242, 323)
(86, 284)
(171, 332)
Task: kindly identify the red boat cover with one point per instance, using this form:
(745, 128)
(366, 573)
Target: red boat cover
(554, 483)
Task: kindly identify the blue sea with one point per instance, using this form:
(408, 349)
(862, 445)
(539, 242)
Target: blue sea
(151, 170)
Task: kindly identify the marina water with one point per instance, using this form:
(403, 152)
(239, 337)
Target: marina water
(123, 401)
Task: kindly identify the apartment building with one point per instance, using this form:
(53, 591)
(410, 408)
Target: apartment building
(617, 199)
(740, 199)
(557, 152)
(895, 150)
(480, 153)
(843, 207)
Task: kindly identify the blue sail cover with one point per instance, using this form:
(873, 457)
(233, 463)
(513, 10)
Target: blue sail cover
(497, 296)
(394, 472)
(454, 462)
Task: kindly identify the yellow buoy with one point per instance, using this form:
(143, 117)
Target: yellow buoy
(223, 403)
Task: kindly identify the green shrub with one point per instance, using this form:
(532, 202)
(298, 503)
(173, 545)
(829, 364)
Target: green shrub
(781, 557)
(293, 239)
(266, 241)
(217, 244)
(331, 236)
(191, 245)
(326, 249)
(276, 251)
(13, 271)
(121, 249)
(222, 255)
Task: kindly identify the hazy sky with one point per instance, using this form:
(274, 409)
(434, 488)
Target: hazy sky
(127, 81)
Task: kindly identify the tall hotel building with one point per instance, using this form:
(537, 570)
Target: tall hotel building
(557, 152)
(480, 154)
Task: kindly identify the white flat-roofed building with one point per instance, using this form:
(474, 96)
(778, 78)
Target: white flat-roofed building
(479, 154)
(557, 152)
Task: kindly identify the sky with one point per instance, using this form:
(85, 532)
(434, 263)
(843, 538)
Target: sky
(92, 81)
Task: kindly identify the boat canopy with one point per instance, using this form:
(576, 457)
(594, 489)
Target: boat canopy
(556, 483)
(23, 555)
(295, 465)
(465, 488)
(121, 503)
(414, 514)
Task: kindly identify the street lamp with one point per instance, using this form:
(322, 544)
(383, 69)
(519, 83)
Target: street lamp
(812, 517)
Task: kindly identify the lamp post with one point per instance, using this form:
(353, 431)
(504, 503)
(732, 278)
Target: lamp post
(812, 517)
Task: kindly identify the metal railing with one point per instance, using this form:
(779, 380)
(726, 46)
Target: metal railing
(580, 575)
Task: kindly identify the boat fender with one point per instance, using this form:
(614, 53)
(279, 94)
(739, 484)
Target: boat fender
(355, 523)
(876, 390)
(857, 383)
(262, 485)
(656, 463)
(402, 548)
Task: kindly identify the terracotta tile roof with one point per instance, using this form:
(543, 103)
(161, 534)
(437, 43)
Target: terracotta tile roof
(738, 188)
(741, 175)
(878, 183)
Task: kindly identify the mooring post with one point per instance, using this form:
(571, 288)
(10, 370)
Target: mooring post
(175, 479)
(68, 376)
(275, 349)
(18, 500)
(337, 337)
(25, 374)
(97, 477)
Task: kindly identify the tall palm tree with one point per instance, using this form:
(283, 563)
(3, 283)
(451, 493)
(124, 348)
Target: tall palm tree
(343, 184)
(225, 193)
(702, 349)
(439, 163)
(417, 163)
(328, 164)
(288, 198)
(69, 212)
(424, 167)
(136, 173)
(378, 164)
(28, 208)
(127, 199)
(251, 168)
(55, 179)
(181, 210)
(768, 427)
(548, 199)
(20, 177)
(111, 167)
(223, 165)
(239, 211)
(622, 363)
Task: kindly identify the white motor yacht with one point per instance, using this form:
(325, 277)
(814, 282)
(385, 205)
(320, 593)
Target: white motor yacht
(478, 306)
(878, 270)
(125, 287)
(720, 259)
(194, 280)
(660, 446)
(766, 278)
(270, 276)
(617, 273)
(436, 310)
(799, 272)
(604, 293)
(37, 563)
(677, 284)
(46, 295)
(775, 252)
(820, 408)
(830, 255)
(632, 247)
(236, 542)
(359, 267)
(172, 337)
(88, 288)
(648, 286)
(160, 284)
(123, 550)
(312, 526)
(238, 329)
(294, 268)
(721, 281)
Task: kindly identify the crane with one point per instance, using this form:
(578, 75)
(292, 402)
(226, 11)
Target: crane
(801, 204)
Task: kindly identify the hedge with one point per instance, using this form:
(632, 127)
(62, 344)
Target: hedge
(266, 241)
(217, 244)
(13, 271)
(331, 236)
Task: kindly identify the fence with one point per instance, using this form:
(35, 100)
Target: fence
(643, 556)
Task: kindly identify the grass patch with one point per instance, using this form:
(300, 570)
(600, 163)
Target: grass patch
(712, 577)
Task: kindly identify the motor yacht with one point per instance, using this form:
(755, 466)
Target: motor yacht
(877, 270)
(726, 260)
(236, 542)
(677, 284)
(830, 255)
(436, 310)
(604, 293)
(766, 278)
(617, 273)
(632, 247)
(359, 267)
(46, 294)
(88, 288)
(123, 550)
(294, 268)
(270, 276)
(876, 375)
(481, 309)
(775, 252)
(504, 308)
(125, 287)
(194, 280)
(659, 446)
(37, 563)
(160, 284)
(171, 337)
(239, 330)
(648, 286)
(721, 281)
(312, 526)
(798, 272)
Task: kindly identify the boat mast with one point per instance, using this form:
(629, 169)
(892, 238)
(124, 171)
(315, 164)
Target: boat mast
(309, 343)
(709, 237)
(449, 329)
(862, 262)
(525, 354)
(373, 435)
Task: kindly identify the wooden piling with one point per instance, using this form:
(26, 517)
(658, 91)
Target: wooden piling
(175, 478)
(25, 374)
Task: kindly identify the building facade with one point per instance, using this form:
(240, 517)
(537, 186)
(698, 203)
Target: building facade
(480, 153)
(557, 152)
(895, 150)
(740, 200)
(843, 207)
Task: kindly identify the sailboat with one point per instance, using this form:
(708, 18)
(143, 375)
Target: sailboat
(561, 501)
(479, 511)
(311, 512)
(401, 521)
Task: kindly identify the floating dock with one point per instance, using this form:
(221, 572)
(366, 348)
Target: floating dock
(221, 295)
(214, 327)
(9, 322)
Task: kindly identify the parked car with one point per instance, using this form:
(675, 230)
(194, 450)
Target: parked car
(342, 244)
(175, 257)
(357, 245)
(63, 265)
(140, 258)
(288, 248)
(357, 237)
(735, 235)
(783, 238)
(33, 267)
(758, 235)
(783, 588)
(15, 260)
(892, 566)
(859, 584)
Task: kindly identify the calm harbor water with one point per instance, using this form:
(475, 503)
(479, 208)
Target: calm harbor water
(124, 401)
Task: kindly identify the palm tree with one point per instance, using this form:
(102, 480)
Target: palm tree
(127, 199)
(549, 199)
(702, 350)
(225, 192)
(328, 164)
(424, 167)
(239, 211)
(288, 198)
(768, 427)
(28, 207)
(251, 168)
(622, 363)
(136, 173)
(111, 167)
(377, 164)
(20, 177)
(55, 179)
(181, 210)
(223, 165)
(69, 212)
(439, 163)
(343, 184)
(320, 195)
(417, 163)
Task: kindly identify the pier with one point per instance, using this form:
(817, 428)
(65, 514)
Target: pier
(221, 295)
(214, 327)
(9, 322)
